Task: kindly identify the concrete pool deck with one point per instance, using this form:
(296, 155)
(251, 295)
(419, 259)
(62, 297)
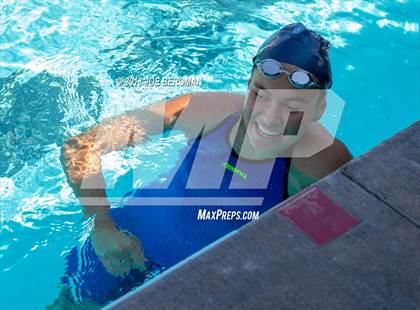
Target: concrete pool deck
(350, 241)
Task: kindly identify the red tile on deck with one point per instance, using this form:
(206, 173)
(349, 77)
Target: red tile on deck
(320, 218)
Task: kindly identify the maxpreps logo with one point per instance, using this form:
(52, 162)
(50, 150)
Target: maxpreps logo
(224, 215)
(196, 181)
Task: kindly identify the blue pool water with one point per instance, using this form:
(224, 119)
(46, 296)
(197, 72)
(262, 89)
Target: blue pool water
(59, 63)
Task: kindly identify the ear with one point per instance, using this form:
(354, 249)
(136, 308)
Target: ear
(321, 106)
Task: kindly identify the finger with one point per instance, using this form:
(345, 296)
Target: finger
(122, 261)
(134, 240)
(137, 252)
(106, 261)
(126, 262)
(139, 261)
(138, 258)
(113, 265)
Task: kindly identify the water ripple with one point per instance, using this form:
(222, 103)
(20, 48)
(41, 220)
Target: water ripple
(60, 61)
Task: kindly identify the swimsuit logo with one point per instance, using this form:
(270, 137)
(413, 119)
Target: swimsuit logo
(235, 170)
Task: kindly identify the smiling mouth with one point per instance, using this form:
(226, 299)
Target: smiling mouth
(268, 131)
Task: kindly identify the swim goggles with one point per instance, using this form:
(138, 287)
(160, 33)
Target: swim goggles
(300, 78)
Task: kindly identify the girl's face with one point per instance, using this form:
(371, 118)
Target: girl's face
(277, 115)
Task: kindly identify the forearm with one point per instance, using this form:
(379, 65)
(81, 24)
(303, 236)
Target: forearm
(82, 166)
(81, 159)
(93, 200)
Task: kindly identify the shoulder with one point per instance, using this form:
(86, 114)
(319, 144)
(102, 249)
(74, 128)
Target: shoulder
(327, 160)
(331, 158)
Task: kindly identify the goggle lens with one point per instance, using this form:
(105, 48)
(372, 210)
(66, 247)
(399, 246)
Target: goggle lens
(271, 68)
(299, 79)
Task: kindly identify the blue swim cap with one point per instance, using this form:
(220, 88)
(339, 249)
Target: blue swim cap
(297, 45)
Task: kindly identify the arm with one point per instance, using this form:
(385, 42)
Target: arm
(81, 158)
(81, 154)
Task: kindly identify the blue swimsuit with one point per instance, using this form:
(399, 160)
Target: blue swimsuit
(166, 220)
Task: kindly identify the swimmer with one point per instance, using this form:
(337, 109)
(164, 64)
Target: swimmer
(276, 123)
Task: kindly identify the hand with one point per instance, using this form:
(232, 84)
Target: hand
(120, 251)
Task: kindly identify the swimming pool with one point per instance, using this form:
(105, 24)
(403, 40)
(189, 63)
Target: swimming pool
(60, 62)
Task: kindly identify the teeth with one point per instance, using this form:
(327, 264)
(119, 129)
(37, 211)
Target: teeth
(267, 131)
